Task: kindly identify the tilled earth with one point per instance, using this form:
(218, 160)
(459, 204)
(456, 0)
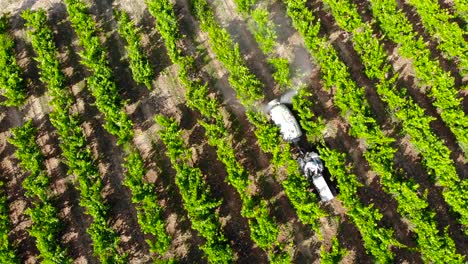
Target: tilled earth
(167, 98)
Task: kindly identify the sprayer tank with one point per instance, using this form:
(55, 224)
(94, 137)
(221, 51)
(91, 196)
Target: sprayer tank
(285, 120)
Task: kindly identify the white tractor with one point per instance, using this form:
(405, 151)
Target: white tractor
(309, 162)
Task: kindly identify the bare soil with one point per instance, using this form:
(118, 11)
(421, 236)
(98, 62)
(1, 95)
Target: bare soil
(167, 97)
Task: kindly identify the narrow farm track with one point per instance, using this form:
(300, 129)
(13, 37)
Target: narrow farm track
(392, 200)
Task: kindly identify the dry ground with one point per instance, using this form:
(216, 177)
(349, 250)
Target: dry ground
(167, 98)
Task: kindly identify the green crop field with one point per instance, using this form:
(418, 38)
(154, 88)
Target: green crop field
(137, 131)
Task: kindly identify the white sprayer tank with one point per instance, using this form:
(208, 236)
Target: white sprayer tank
(285, 120)
(322, 188)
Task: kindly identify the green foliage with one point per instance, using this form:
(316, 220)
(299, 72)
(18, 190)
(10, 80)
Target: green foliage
(167, 24)
(377, 240)
(101, 82)
(196, 194)
(263, 30)
(296, 185)
(246, 85)
(436, 156)
(431, 78)
(267, 134)
(149, 212)
(281, 73)
(314, 126)
(44, 216)
(7, 251)
(46, 229)
(263, 229)
(11, 82)
(350, 99)
(245, 6)
(77, 156)
(280, 258)
(31, 160)
(438, 23)
(461, 8)
(139, 63)
(335, 255)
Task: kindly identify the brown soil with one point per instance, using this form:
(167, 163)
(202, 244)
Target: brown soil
(405, 70)
(409, 160)
(167, 98)
(445, 61)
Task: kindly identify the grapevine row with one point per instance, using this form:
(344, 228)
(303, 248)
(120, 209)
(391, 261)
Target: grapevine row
(149, 212)
(101, 82)
(139, 63)
(196, 194)
(377, 240)
(436, 156)
(11, 82)
(264, 230)
(461, 8)
(449, 35)
(264, 32)
(77, 156)
(103, 88)
(44, 215)
(247, 86)
(7, 251)
(350, 99)
(13, 88)
(335, 255)
(241, 79)
(438, 84)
